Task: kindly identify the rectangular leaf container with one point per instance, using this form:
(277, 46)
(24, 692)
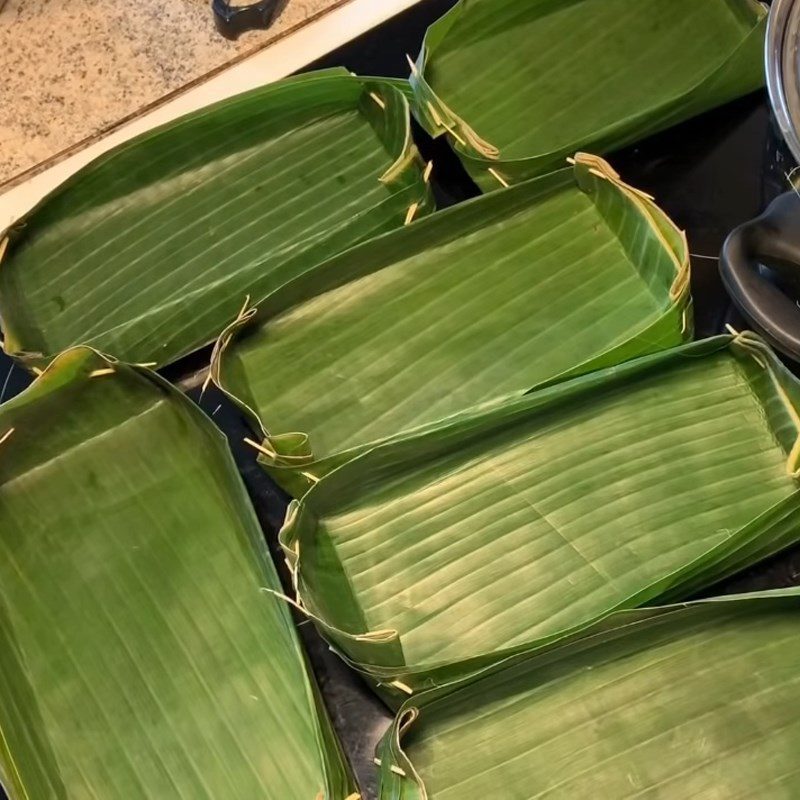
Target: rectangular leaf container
(146, 253)
(141, 653)
(571, 272)
(438, 554)
(693, 701)
(517, 85)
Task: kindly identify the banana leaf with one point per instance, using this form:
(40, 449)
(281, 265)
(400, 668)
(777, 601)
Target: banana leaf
(565, 274)
(148, 252)
(518, 84)
(430, 557)
(140, 655)
(695, 701)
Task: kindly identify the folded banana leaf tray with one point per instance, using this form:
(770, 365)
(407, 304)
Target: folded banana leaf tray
(691, 701)
(467, 510)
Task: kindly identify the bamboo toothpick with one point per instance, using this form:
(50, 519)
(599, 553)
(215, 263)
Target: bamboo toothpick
(378, 100)
(36, 371)
(498, 177)
(394, 768)
(6, 435)
(434, 113)
(403, 687)
(96, 373)
(260, 447)
(411, 213)
(286, 599)
(426, 176)
(741, 338)
(454, 133)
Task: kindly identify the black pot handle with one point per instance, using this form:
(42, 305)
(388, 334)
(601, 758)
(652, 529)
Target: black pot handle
(771, 240)
(233, 20)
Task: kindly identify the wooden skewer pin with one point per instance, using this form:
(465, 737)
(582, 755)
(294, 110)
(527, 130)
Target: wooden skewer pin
(434, 113)
(259, 447)
(499, 177)
(394, 768)
(455, 134)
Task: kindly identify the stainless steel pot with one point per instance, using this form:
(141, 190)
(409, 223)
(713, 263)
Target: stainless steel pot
(760, 260)
(783, 71)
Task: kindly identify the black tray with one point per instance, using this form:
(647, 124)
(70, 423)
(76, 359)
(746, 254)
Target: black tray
(706, 174)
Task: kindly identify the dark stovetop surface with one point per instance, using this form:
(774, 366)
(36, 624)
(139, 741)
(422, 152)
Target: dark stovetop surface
(706, 174)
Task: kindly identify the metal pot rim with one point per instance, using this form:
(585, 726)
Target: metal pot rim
(783, 70)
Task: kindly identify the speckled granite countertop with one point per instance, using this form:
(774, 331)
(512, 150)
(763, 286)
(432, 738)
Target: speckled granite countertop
(71, 68)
